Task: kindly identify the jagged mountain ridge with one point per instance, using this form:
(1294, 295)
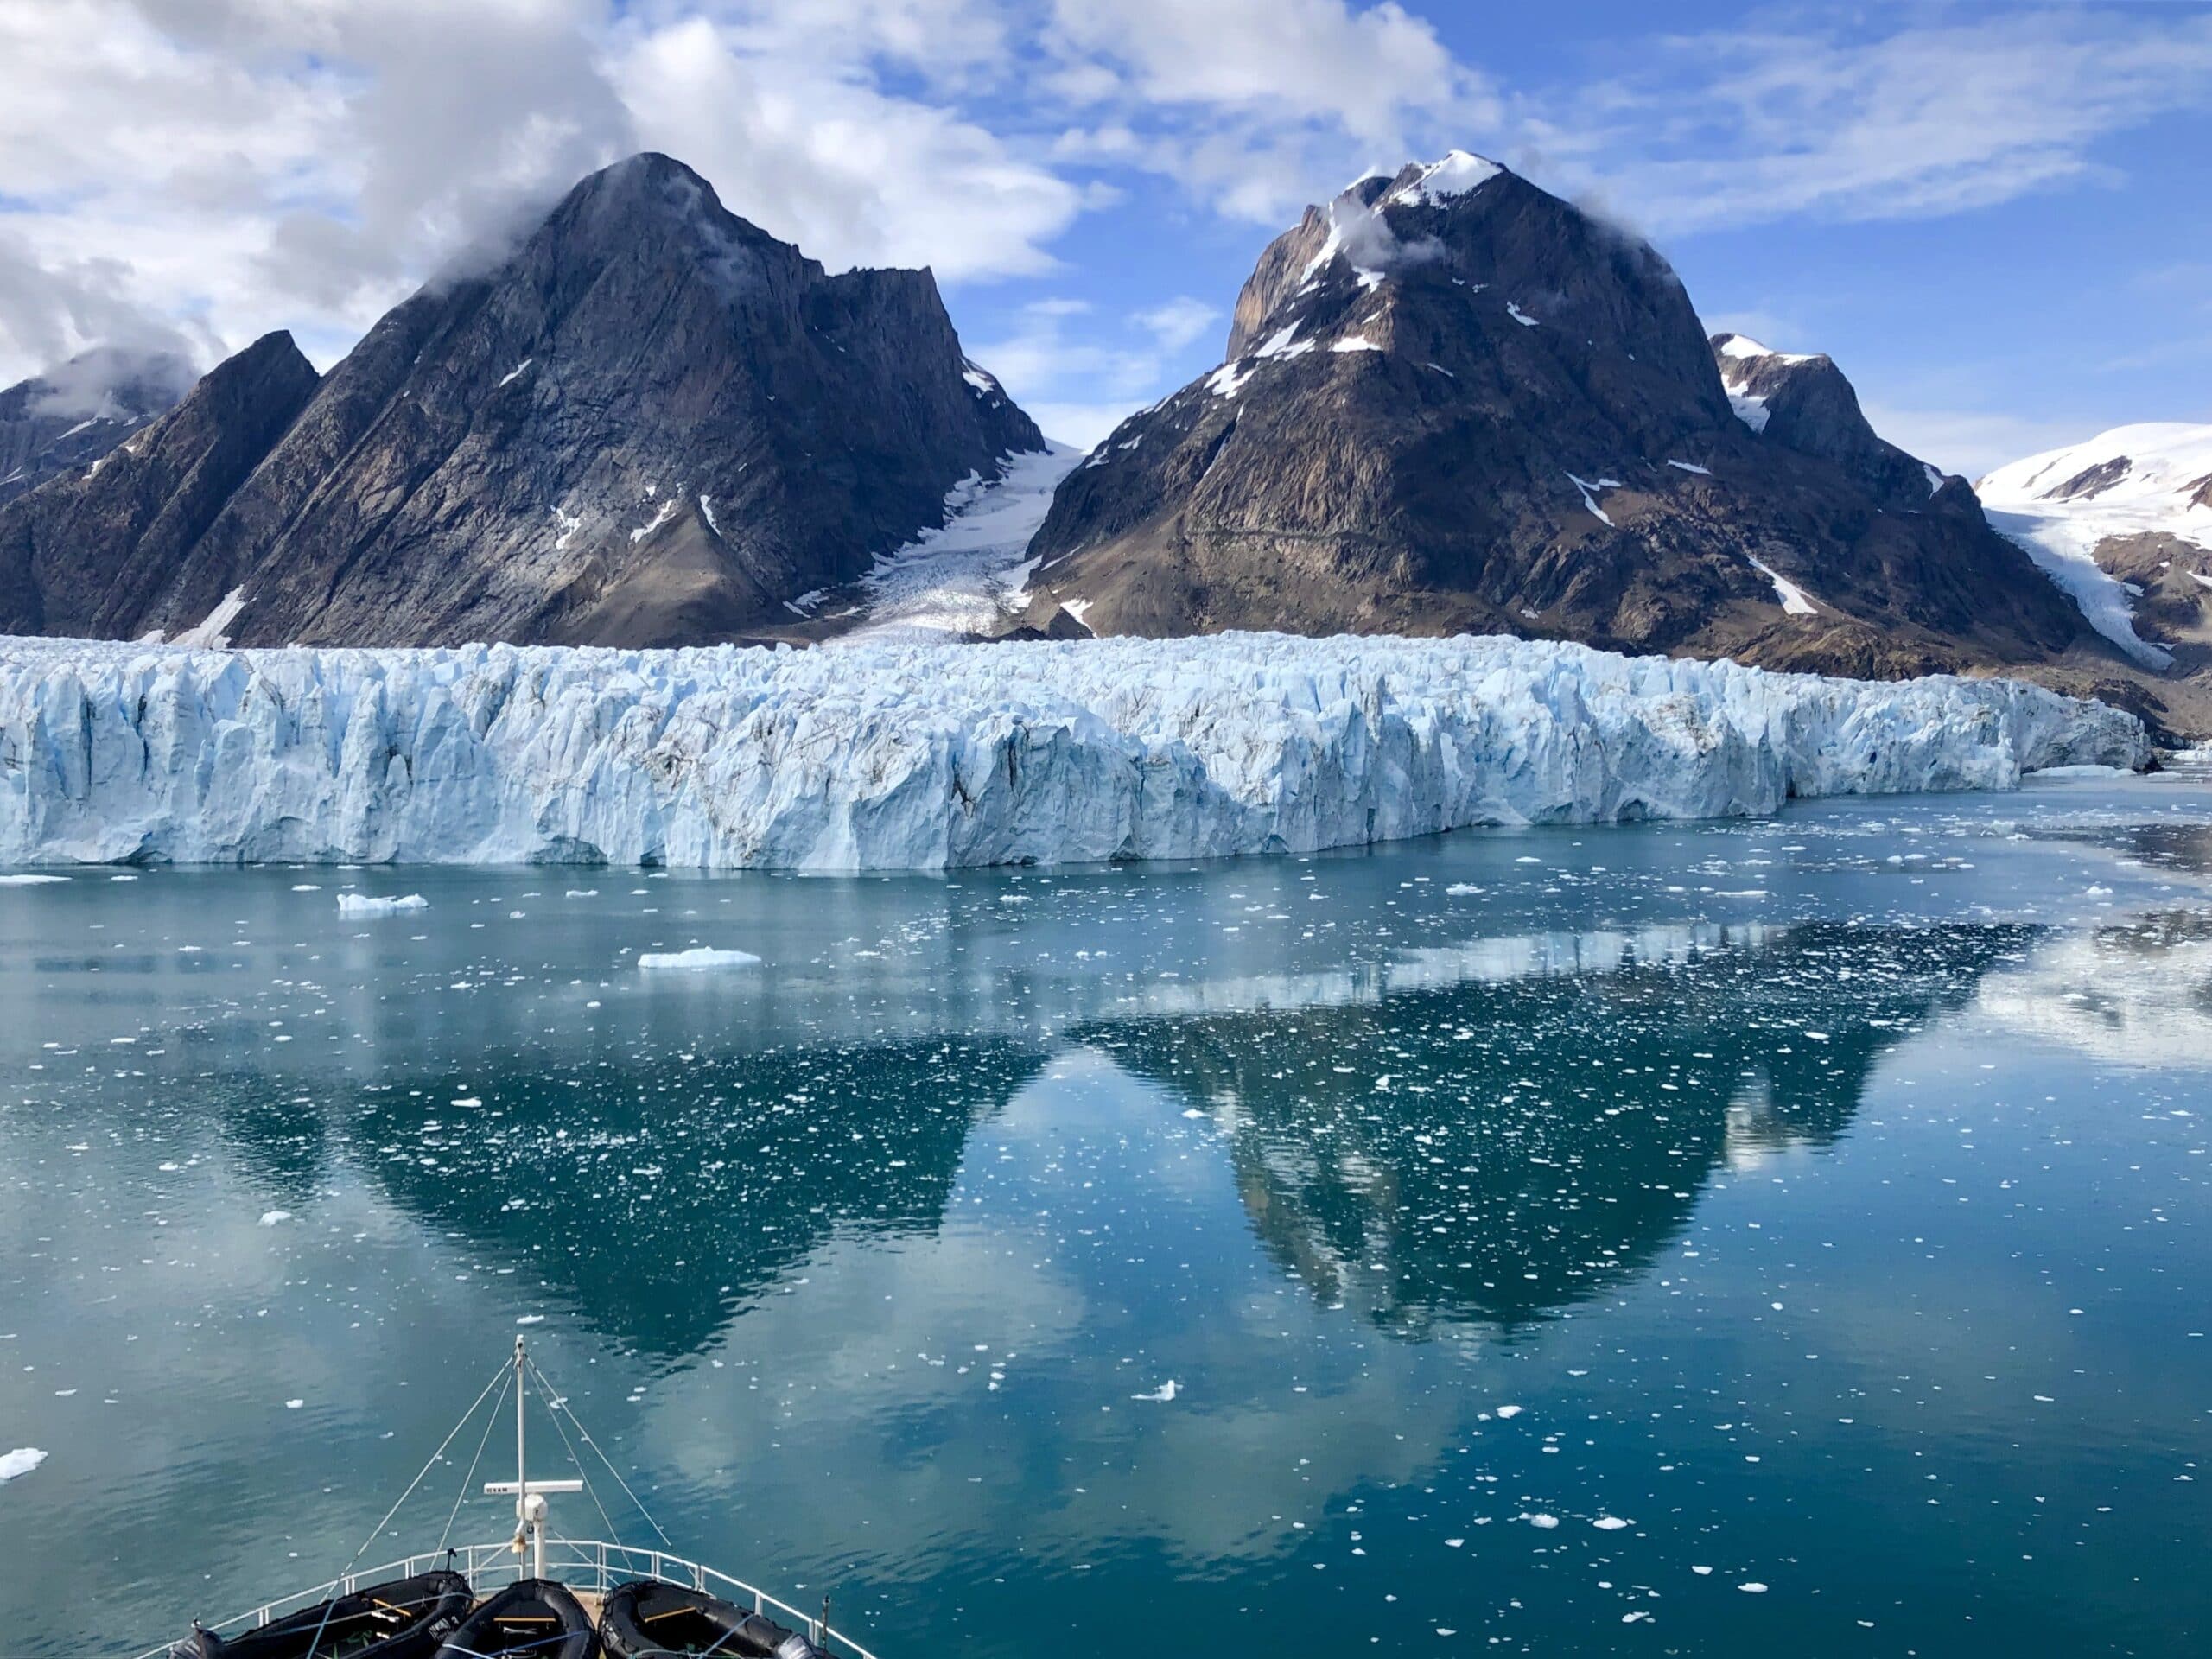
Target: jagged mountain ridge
(651, 423)
(69, 417)
(1455, 401)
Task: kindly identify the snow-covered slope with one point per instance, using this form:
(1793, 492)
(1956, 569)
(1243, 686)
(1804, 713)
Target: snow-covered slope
(924, 756)
(966, 577)
(2062, 505)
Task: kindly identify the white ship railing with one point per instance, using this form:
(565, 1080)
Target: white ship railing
(581, 1564)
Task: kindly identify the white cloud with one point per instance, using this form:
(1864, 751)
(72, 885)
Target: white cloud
(1177, 323)
(1737, 127)
(853, 176)
(1079, 376)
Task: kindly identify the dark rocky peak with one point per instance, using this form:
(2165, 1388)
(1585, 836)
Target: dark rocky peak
(73, 414)
(650, 206)
(94, 552)
(1802, 401)
(1468, 233)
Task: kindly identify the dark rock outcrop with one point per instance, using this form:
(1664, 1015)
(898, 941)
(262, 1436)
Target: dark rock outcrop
(649, 424)
(68, 418)
(92, 553)
(1454, 401)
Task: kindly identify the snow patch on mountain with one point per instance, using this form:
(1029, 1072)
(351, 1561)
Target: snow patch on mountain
(924, 756)
(1455, 175)
(1794, 600)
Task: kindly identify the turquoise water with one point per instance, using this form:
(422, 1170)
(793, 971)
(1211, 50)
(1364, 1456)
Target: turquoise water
(1666, 1240)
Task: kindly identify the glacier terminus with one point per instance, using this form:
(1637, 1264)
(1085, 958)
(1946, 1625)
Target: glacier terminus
(906, 756)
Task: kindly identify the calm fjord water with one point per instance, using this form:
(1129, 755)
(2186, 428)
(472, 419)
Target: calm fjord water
(1708, 1239)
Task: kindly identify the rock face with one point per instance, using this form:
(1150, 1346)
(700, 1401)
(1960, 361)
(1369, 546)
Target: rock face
(879, 757)
(69, 418)
(89, 554)
(1454, 401)
(649, 422)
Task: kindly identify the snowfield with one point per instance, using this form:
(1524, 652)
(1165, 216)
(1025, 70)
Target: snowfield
(924, 756)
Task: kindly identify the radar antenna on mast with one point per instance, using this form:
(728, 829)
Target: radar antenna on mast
(528, 1495)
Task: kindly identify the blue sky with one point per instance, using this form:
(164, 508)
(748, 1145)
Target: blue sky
(1994, 217)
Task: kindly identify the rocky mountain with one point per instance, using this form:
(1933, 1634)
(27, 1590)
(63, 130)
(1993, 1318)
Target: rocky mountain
(1455, 401)
(89, 554)
(2123, 522)
(70, 416)
(649, 422)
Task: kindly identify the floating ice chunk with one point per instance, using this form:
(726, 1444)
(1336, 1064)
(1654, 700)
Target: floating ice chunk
(271, 1217)
(361, 904)
(1753, 1588)
(699, 957)
(1545, 1522)
(21, 1461)
(1510, 1412)
(531, 1319)
(1461, 890)
(1609, 1523)
(1161, 1394)
(293, 1405)
(30, 881)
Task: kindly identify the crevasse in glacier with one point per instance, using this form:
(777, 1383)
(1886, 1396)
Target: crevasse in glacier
(924, 756)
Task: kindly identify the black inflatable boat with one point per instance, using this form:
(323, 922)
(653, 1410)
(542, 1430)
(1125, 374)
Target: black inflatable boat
(538, 1617)
(647, 1617)
(407, 1619)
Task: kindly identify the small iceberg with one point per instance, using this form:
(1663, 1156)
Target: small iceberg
(360, 904)
(697, 958)
(21, 1461)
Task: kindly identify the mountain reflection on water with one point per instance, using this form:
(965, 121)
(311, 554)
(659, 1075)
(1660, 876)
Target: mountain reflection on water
(1494, 1151)
(1544, 1235)
(1534, 1120)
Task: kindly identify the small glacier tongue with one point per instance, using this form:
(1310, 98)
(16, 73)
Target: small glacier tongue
(904, 755)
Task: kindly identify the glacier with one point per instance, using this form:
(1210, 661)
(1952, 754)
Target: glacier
(927, 756)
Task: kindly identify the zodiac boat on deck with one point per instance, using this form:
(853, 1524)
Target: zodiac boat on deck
(533, 1596)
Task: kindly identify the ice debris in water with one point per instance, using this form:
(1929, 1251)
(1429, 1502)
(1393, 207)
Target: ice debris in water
(696, 958)
(358, 904)
(1161, 1394)
(30, 881)
(271, 1217)
(21, 1461)
(724, 757)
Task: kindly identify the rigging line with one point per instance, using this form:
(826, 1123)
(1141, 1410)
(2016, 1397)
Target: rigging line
(553, 1410)
(585, 1434)
(331, 1605)
(491, 1422)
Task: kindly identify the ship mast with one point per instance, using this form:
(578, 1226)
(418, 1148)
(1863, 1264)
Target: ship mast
(528, 1495)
